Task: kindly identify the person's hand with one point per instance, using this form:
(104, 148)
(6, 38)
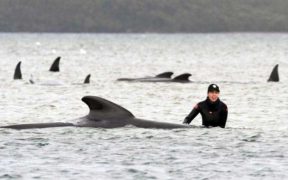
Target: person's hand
(185, 121)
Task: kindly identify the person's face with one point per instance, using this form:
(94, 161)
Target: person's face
(213, 96)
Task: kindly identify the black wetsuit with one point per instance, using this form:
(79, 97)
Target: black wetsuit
(213, 113)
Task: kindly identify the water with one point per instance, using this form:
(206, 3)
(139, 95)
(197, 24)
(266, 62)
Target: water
(253, 146)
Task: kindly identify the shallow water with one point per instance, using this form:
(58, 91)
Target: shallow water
(253, 146)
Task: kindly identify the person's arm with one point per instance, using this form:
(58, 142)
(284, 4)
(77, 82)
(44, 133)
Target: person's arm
(223, 117)
(195, 111)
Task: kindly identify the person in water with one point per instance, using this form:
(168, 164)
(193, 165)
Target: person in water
(213, 111)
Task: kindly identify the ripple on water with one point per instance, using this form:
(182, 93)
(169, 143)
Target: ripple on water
(253, 146)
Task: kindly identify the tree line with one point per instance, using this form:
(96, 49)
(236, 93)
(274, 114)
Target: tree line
(166, 16)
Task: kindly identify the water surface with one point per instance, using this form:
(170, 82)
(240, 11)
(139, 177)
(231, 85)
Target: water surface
(253, 146)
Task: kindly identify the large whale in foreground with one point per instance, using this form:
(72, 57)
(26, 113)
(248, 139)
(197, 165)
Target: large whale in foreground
(274, 76)
(163, 77)
(104, 114)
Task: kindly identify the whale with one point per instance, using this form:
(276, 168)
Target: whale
(55, 65)
(274, 76)
(87, 79)
(18, 75)
(164, 75)
(58, 83)
(182, 78)
(103, 114)
(17, 72)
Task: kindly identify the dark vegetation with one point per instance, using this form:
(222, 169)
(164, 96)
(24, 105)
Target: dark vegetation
(143, 15)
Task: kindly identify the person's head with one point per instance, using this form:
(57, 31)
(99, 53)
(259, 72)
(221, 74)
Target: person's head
(213, 92)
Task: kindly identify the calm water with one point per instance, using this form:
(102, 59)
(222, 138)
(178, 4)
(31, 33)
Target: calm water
(253, 146)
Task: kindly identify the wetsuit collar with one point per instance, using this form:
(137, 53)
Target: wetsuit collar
(211, 104)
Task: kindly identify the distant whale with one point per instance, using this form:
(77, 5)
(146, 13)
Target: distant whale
(183, 78)
(18, 75)
(17, 72)
(87, 79)
(103, 114)
(274, 76)
(55, 65)
(164, 75)
(57, 83)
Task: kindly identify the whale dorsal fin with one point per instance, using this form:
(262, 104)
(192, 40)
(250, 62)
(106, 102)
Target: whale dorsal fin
(55, 66)
(87, 79)
(182, 77)
(103, 109)
(274, 76)
(165, 75)
(17, 72)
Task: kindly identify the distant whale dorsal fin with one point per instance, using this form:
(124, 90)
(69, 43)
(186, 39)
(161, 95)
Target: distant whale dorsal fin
(274, 76)
(55, 66)
(17, 72)
(103, 109)
(182, 77)
(165, 75)
(87, 79)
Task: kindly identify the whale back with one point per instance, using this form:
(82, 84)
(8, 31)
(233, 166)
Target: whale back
(55, 66)
(38, 125)
(165, 75)
(87, 79)
(17, 72)
(101, 109)
(274, 76)
(182, 77)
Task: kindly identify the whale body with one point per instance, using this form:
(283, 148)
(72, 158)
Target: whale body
(163, 77)
(182, 78)
(104, 114)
